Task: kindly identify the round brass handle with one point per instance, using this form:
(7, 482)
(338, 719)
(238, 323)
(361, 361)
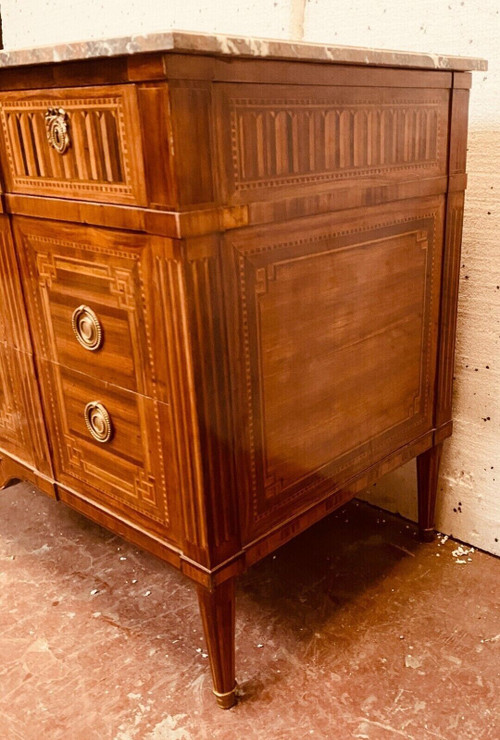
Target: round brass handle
(98, 421)
(57, 127)
(87, 328)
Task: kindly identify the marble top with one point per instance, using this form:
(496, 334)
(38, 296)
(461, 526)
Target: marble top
(185, 41)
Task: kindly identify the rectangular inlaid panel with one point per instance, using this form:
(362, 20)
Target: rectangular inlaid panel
(337, 333)
(96, 286)
(277, 140)
(13, 321)
(132, 472)
(103, 160)
(22, 430)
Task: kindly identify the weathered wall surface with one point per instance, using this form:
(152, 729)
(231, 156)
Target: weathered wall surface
(469, 502)
(36, 22)
(469, 498)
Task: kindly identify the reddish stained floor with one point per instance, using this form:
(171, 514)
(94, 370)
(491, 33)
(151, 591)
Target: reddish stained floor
(354, 630)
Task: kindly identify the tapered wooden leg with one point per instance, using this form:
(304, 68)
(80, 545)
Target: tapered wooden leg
(427, 479)
(217, 614)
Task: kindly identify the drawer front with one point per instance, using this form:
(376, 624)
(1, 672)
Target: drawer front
(22, 430)
(91, 301)
(112, 446)
(79, 143)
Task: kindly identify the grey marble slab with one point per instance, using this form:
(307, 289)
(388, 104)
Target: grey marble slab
(238, 46)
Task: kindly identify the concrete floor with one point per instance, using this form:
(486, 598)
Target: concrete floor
(353, 630)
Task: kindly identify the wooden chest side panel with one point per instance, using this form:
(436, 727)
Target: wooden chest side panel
(276, 139)
(337, 334)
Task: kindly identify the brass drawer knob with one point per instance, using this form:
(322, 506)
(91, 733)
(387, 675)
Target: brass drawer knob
(87, 328)
(57, 126)
(98, 421)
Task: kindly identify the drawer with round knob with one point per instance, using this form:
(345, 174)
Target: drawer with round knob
(107, 444)
(78, 143)
(89, 303)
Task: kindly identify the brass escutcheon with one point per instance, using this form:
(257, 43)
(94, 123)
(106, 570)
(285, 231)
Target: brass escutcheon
(57, 125)
(87, 328)
(98, 421)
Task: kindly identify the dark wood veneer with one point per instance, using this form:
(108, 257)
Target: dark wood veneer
(271, 250)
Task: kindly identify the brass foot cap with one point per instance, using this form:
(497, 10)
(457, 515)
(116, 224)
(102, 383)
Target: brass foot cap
(227, 699)
(427, 535)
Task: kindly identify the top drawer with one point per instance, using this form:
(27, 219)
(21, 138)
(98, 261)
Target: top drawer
(95, 153)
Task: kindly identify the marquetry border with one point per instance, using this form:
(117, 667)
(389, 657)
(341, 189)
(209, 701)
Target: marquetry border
(13, 417)
(287, 105)
(384, 439)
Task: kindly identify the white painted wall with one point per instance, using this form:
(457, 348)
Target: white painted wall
(471, 466)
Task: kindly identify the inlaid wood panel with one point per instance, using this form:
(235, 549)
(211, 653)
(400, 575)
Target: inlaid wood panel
(275, 138)
(337, 332)
(104, 158)
(22, 430)
(134, 472)
(13, 321)
(66, 266)
(209, 353)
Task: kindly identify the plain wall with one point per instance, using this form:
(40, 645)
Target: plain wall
(469, 500)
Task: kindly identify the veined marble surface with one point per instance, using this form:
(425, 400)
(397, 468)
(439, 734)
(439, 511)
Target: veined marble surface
(183, 41)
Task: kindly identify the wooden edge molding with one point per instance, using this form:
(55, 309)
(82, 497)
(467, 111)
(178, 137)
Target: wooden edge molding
(457, 182)
(132, 533)
(249, 554)
(192, 223)
(298, 72)
(13, 469)
(208, 578)
(342, 198)
(443, 432)
(269, 542)
(173, 224)
(215, 576)
(462, 80)
(158, 65)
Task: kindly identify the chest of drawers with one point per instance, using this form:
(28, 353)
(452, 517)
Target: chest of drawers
(229, 275)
